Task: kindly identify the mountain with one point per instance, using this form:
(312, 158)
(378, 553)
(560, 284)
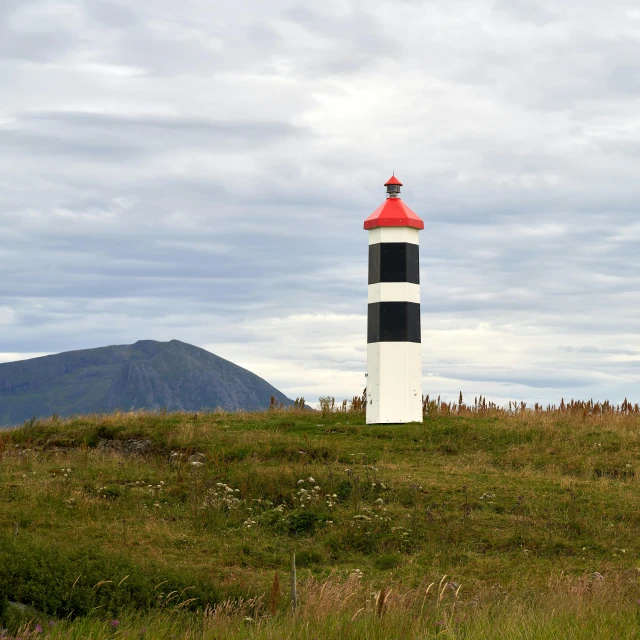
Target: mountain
(144, 375)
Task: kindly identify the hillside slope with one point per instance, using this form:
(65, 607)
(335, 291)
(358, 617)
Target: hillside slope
(474, 524)
(145, 375)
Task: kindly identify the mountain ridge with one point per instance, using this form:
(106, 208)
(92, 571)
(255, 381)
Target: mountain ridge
(145, 375)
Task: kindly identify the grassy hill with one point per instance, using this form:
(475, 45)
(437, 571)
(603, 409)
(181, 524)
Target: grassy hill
(476, 523)
(144, 375)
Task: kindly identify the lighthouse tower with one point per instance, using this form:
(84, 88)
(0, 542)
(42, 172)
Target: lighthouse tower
(394, 366)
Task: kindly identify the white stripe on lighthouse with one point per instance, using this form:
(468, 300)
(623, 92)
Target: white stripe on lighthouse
(394, 292)
(394, 234)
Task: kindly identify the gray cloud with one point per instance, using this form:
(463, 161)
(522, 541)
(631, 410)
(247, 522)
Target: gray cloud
(27, 33)
(111, 14)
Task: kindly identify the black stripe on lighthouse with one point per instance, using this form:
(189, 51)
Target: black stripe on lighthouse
(393, 322)
(394, 262)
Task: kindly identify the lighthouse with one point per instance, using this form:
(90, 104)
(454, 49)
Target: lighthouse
(394, 365)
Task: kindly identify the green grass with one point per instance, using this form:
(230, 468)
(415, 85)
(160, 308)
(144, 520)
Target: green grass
(533, 515)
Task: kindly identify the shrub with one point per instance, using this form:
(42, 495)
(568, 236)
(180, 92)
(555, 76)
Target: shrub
(74, 584)
(307, 558)
(303, 522)
(4, 602)
(103, 432)
(344, 489)
(111, 492)
(386, 562)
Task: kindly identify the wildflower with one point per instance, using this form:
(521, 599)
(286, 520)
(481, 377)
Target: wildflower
(379, 501)
(38, 628)
(300, 481)
(115, 624)
(311, 480)
(373, 484)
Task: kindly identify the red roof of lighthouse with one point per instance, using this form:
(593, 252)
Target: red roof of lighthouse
(392, 180)
(393, 213)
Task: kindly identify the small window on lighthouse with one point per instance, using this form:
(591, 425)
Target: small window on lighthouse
(393, 189)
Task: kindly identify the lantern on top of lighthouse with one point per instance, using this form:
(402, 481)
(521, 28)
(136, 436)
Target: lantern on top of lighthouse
(394, 365)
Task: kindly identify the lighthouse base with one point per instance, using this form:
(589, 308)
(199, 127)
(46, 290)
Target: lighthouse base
(394, 382)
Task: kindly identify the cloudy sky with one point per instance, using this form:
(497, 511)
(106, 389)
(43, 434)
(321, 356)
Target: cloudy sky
(201, 170)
